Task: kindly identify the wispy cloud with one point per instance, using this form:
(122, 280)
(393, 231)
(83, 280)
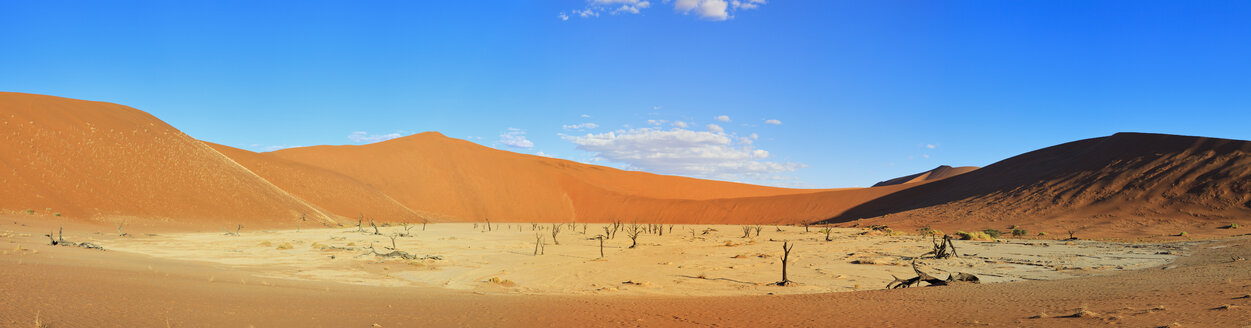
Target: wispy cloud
(713, 10)
(723, 118)
(580, 126)
(365, 137)
(515, 138)
(715, 128)
(773, 122)
(703, 154)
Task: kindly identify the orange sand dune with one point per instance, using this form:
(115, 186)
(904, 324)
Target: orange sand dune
(1125, 184)
(106, 161)
(458, 180)
(941, 172)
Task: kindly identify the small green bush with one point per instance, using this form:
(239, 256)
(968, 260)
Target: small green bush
(976, 235)
(30, 212)
(1182, 234)
(992, 233)
(1040, 234)
(1232, 226)
(56, 214)
(1018, 232)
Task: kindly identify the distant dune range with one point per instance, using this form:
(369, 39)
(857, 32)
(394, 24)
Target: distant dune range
(104, 162)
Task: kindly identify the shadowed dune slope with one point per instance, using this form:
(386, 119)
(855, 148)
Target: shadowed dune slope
(1126, 182)
(107, 162)
(941, 172)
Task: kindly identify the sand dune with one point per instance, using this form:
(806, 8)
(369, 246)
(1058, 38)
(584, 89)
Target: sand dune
(108, 162)
(104, 161)
(941, 172)
(1125, 184)
(457, 180)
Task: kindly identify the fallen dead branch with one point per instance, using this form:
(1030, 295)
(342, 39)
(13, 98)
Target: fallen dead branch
(931, 280)
(60, 241)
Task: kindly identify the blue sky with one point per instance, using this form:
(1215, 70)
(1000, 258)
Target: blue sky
(863, 90)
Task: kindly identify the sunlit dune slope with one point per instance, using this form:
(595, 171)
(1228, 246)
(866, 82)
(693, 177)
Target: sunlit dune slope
(1128, 182)
(941, 172)
(109, 162)
(461, 180)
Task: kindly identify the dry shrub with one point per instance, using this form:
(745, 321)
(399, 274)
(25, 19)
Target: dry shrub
(502, 282)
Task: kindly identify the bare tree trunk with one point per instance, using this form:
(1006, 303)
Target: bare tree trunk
(786, 255)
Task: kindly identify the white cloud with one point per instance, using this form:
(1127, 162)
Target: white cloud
(723, 118)
(749, 4)
(655, 107)
(515, 138)
(586, 116)
(706, 9)
(580, 126)
(362, 136)
(931, 146)
(715, 10)
(541, 153)
(755, 136)
(595, 7)
(679, 124)
(562, 16)
(715, 128)
(683, 152)
(656, 122)
(773, 121)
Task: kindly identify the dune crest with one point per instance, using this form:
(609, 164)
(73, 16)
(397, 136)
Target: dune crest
(108, 162)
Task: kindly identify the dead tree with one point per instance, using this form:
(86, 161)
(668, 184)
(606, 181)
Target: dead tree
(943, 250)
(933, 281)
(119, 229)
(60, 241)
(538, 243)
(423, 223)
(633, 232)
(670, 229)
(393, 247)
(806, 224)
(376, 232)
(746, 231)
(407, 228)
(555, 231)
(236, 233)
(297, 222)
(827, 232)
(488, 223)
(757, 228)
(786, 256)
(360, 220)
(534, 226)
(601, 245)
(616, 225)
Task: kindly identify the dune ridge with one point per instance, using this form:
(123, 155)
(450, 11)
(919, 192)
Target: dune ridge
(103, 161)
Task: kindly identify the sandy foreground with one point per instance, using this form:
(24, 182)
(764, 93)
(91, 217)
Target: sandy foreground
(692, 260)
(679, 279)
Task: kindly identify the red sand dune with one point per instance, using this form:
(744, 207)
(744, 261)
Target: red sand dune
(1125, 184)
(941, 172)
(110, 162)
(105, 162)
(456, 180)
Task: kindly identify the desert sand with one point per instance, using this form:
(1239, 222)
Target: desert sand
(187, 280)
(686, 262)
